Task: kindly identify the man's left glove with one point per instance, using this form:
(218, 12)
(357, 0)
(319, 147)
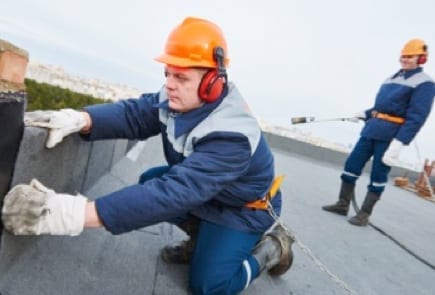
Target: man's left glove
(60, 123)
(35, 209)
(391, 155)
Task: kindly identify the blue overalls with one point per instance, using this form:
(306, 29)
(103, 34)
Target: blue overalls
(408, 95)
(218, 160)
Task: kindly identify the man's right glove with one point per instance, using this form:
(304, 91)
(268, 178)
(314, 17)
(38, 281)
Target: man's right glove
(35, 209)
(391, 155)
(61, 123)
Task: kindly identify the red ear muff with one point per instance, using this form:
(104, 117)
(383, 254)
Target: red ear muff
(211, 86)
(214, 82)
(422, 59)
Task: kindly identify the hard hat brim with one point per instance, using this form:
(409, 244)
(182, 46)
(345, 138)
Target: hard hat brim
(183, 62)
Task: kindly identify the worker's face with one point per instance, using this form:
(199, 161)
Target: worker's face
(182, 88)
(408, 62)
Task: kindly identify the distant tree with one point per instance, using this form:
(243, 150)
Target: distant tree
(43, 96)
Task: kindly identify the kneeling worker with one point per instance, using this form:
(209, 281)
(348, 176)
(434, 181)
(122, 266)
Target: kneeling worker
(219, 170)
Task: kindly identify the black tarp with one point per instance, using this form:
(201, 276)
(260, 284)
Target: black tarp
(12, 105)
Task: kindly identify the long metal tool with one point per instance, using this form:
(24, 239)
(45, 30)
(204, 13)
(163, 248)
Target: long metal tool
(300, 120)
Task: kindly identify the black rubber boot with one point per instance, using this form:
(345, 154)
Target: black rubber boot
(347, 191)
(182, 253)
(274, 251)
(362, 217)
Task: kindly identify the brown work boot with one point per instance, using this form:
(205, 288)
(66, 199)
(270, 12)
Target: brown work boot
(178, 254)
(274, 251)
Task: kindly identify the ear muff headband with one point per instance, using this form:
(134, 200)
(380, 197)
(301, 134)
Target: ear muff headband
(214, 82)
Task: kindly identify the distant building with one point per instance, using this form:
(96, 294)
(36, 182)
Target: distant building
(55, 75)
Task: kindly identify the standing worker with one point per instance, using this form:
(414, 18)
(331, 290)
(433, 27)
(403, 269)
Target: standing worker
(401, 107)
(220, 171)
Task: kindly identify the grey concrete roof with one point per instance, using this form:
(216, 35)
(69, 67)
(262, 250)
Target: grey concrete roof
(331, 256)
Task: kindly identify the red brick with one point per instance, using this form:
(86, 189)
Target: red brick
(13, 63)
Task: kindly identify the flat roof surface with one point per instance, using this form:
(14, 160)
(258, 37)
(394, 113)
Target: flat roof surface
(330, 255)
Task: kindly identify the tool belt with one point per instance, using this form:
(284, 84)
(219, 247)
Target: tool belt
(263, 204)
(387, 117)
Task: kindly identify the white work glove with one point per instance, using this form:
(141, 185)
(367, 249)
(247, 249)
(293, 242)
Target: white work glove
(35, 209)
(360, 116)
(61, 123)
(391, 155)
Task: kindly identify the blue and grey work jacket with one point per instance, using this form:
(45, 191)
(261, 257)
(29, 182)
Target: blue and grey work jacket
(408, 95)
(218, 159)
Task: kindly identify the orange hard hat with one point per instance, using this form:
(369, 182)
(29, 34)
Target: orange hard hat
(414, 47)
(193, 43)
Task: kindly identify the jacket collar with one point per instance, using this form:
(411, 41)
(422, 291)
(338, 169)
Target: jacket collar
(185, 122)
(407, 74)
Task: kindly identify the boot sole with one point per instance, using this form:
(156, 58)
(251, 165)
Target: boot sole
(283, 266)
(286, 260)
(358, 222)
(342, 213)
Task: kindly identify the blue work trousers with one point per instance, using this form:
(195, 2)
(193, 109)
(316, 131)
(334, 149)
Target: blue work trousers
(222, 261)
(364, 149)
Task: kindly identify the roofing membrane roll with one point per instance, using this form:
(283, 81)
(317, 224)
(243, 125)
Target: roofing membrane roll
(12, 106)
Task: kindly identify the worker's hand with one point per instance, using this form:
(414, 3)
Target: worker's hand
(391, 155)
(35, 209)
(60, 123)
(357, 117)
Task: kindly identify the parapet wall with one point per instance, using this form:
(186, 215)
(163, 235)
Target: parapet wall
(322, 154)
(72, 166)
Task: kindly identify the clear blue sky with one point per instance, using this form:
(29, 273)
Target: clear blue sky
(289, 58)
